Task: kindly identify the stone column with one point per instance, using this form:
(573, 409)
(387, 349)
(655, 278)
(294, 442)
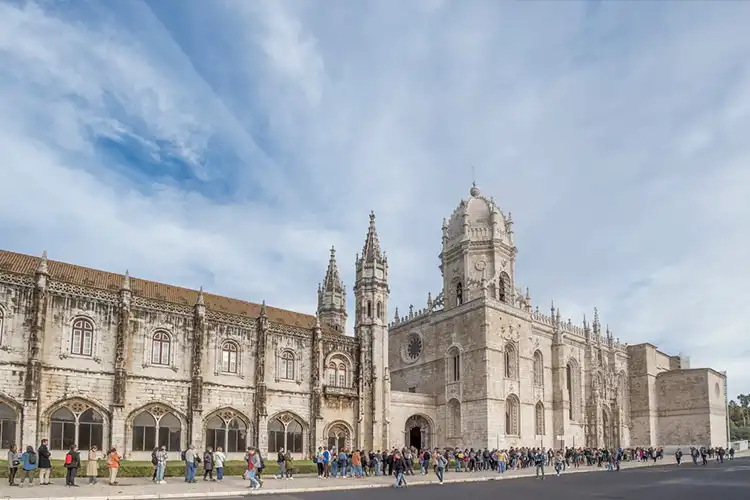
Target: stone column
(196, 384)
(261, 402)
(316, 416)
(33, 380)
(122, 348)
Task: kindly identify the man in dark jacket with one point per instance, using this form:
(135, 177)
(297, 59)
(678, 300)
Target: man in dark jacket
(44, 462)
(399, 467)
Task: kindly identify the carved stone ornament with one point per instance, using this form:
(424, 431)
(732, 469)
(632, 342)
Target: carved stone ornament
(503, 263)
(480, 265)
(286, 418)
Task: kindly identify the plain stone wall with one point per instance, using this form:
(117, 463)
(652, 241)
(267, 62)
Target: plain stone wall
(683, 400)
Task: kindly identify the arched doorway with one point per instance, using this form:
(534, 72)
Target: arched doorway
(418, 432)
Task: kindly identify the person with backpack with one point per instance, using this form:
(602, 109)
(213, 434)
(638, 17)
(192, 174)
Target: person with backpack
(13, 463)
(289, 465)
(45, 463)
(161, 465)
(92, 465)
(155, 462)
(72, 464)
(253, 464)
(280, 462)
(29, 464)
(440, 464)
(113, 463)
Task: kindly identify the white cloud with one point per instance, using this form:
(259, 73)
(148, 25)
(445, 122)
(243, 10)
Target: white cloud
(616, 136)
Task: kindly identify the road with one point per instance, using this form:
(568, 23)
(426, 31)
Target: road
(728, 481)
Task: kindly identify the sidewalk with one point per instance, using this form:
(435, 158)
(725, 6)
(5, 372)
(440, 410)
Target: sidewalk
(144, 489)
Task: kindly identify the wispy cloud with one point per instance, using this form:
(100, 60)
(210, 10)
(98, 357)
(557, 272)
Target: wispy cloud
(229, 144)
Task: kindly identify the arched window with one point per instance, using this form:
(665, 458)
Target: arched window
(286, 367)
(539, 419)
(229, 435)
(538, 369)
(511, 415)
(511, 361)
(369, 309)
(454, 365)
(8, 422)
(339, 372)
(76, 423)
(454, 418)
(229, 351)
(338, 437)
(379, 310)
(504, 292)
(284, 432)
(156, 427)
(459, 294)
(82, 337)
(90, 430)
(160, 348)
(501, 289)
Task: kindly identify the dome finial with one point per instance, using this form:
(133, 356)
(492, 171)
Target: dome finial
(474, 191)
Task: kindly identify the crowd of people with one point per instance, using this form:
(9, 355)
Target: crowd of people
(345, 463)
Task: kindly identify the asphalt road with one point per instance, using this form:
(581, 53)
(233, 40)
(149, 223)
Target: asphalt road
(728, 481)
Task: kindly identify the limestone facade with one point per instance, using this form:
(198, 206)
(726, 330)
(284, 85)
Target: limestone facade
(92, 357)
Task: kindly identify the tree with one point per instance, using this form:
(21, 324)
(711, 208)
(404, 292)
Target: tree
(744, 400)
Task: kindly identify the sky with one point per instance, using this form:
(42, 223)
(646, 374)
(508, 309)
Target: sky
(229, 144)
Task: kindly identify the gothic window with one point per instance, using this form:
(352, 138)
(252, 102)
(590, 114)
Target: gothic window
(511, 361)
(454, 418)
(286, 367)
(338, 437)
(160, 348)
(501, 289)
(230, 435)
(82, 337)
(155, 428)
(379, 310)
(454, 366)
(369, 309)
(338, 372)
(511, 415)
(538, 369)
(504, 292)
(284, 432)
(76, 424)
(459, 294)
(229, 352)
(8, 422)
(539, 419)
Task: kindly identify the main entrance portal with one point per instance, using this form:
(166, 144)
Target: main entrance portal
(418, 432)
(415, 438)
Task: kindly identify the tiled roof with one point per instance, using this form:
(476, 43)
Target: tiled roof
(27, 264)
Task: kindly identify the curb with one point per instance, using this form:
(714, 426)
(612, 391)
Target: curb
(288, 491)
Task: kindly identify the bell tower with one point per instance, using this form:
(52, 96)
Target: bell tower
(332, 297)
(371, 328)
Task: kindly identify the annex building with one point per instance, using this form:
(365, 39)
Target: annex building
(94, 357)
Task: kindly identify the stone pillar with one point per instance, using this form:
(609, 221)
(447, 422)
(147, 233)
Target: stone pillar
(122, 348)
(29, 428)
(196, 384)
(117, 430)
(316, 416)
(261, 398)
(33, 380)
(560, 401)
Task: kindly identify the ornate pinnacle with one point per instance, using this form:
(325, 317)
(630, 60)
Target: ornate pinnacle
(126, 281)
(42, 268)
(200, 301)
(429, 301)
(263, 313)
(317, 320)
(395, 315)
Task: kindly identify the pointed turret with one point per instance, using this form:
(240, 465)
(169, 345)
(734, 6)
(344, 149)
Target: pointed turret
(371, 250)
(596, 326)
(125, 281)
(42, 268)
(200, 301)
(332, 297)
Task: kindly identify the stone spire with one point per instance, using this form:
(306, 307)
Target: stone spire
(371, 251)
(125, 281)
(332, 297)
(596, 326)
(43, 268)
(200, 301)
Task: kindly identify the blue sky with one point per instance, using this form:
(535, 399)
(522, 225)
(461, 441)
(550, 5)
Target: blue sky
(229, 144)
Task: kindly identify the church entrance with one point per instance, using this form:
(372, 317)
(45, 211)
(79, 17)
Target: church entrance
(418, 432)
(415, 438)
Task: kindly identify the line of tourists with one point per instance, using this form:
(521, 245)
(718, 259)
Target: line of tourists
(25, 465)
(705, 454)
